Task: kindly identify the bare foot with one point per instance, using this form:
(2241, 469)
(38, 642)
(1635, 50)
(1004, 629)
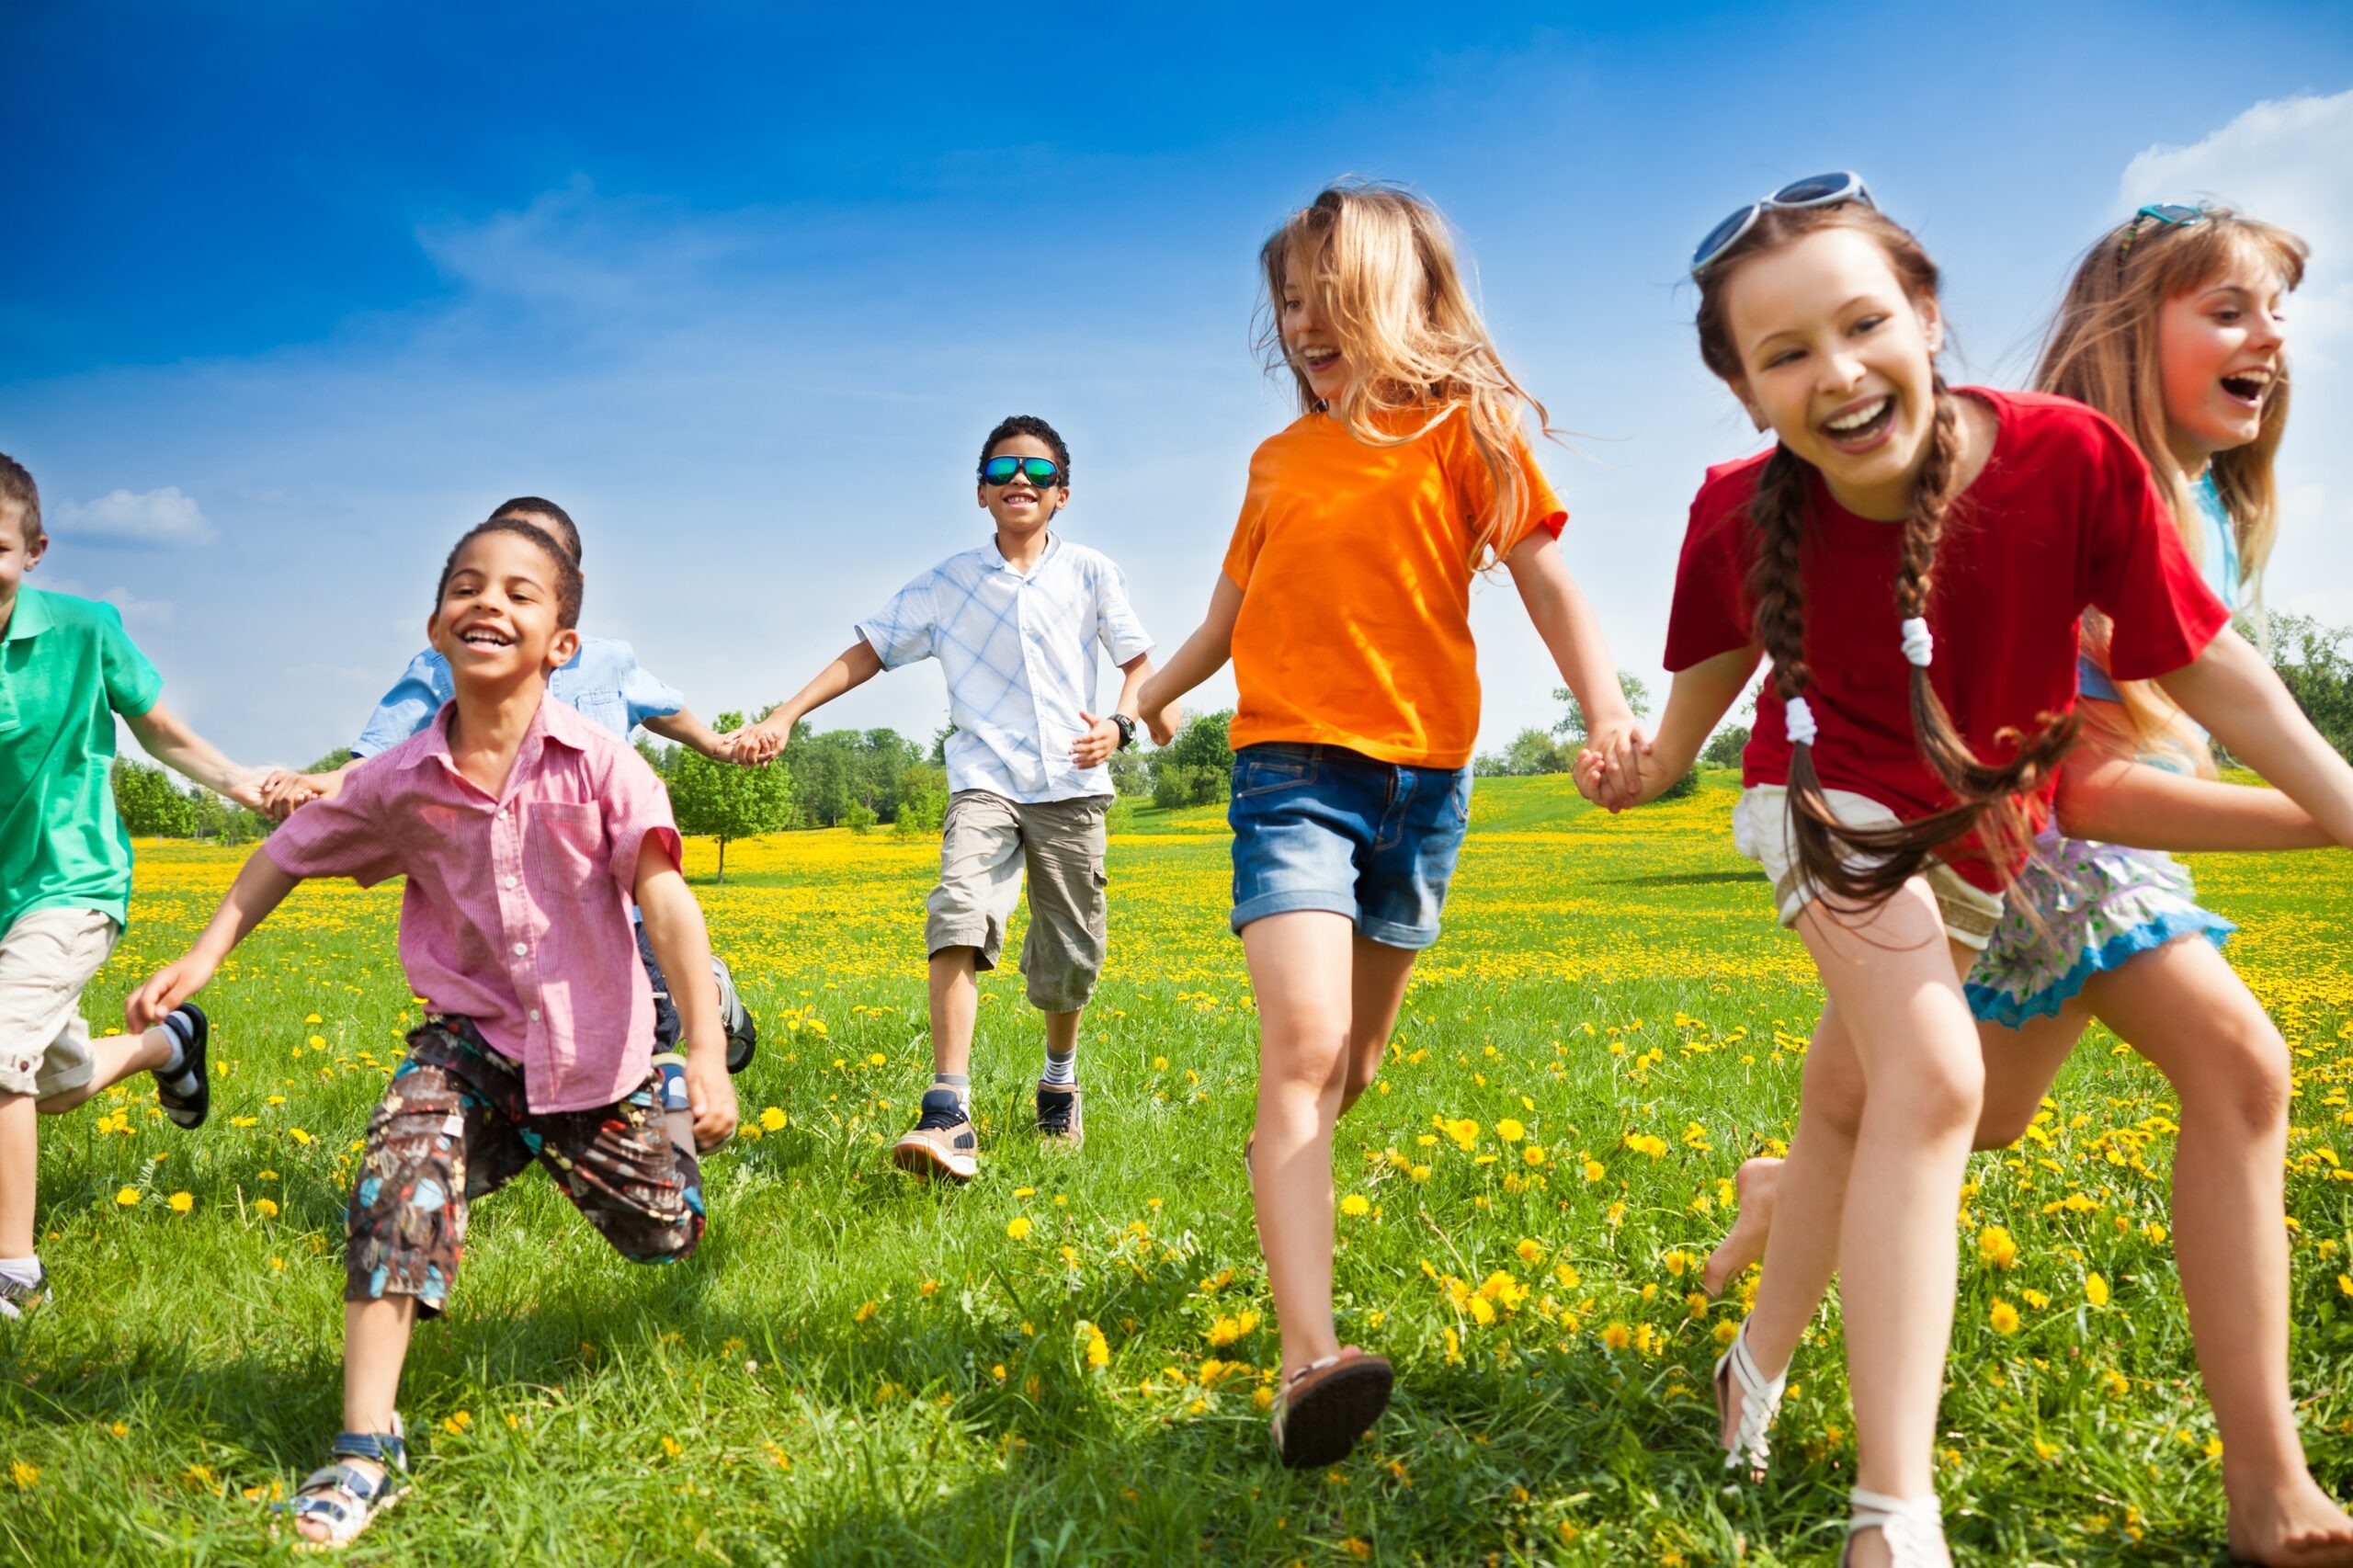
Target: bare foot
(2296, 1525)
(1754, 1184)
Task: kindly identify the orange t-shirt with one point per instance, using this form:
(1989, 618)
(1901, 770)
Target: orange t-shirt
(1354, 567)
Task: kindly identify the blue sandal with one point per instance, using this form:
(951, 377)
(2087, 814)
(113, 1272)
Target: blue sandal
(345, 1498)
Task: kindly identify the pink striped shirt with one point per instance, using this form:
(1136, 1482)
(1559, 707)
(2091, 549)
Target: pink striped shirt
(517, 908)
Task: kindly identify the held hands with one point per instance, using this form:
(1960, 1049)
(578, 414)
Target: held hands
(757, 745)
(1613, 769)
(1102, 738)
(710, 1096)
(280, 790)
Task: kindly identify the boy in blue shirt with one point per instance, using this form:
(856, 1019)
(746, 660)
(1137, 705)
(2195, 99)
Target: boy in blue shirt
(605, 685)
(66, 670)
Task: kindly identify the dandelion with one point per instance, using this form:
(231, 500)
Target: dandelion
(2095, 1290)
(866, 1310)
(457, 1424)
(1647, 1143)
(299, 1136)
(127, 1197)
(24, 1475)
(1226, 1330)
(1616, 1336)
(1510, 1130)
(1529, 1250)
(1098, 1349)
(2002, 1316)
(265, 1208)
(1996, 1248)
(1160, 1064)
(1593, 1171)
(772, 1120)
(1356, 1205)
(1419, 1173)
(1018, 1228)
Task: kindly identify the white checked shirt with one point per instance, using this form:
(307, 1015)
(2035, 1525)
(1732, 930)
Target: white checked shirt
(1019, 654)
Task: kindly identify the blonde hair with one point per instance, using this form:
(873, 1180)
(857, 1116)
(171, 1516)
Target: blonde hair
(1380, 261)
(2102, 350)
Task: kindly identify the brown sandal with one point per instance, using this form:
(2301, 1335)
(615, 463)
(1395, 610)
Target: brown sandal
(1327, 1405)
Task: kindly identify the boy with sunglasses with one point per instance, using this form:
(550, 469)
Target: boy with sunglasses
(1016, 624)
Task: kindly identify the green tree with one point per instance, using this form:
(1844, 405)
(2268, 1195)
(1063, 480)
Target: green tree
(2313, 664)
(1197, 767)
(1725, 745)
(923, 801)
(724, 801)
(1130, 774)
(150, 804)
(1572, 729)
(1530, 752)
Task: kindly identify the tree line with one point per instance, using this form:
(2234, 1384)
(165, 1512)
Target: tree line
(863, 780)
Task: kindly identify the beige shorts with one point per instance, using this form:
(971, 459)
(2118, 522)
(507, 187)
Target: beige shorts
(1760, 830)
(46, 959)
(986, 843)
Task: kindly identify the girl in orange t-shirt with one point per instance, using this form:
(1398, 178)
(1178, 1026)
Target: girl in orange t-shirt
(1345, 605)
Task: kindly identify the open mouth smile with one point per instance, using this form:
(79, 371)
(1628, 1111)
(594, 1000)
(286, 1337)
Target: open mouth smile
(2247, 387)
(486, 638)
(1861, 425)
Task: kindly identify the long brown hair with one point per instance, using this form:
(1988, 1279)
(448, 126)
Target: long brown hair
(1381, 263)
(2102, 349)
(1866, 866)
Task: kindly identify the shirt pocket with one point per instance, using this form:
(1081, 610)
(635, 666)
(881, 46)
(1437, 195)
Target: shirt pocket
(564, 852)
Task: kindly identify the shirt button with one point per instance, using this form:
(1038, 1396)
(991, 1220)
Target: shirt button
(520, 950)
(510, 882)
(535, 1015)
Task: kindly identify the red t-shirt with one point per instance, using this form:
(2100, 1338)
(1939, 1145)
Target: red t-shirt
(2065, 515)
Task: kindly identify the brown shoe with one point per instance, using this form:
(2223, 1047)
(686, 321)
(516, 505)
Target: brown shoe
(1061, 1116)
(942, 1141)
(1327, 1405)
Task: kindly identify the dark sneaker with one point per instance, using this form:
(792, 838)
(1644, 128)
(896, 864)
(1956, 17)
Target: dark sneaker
(190, 1111)
(1059, 1115)
(17, 1300)
(942, 1141)
(742, 1034)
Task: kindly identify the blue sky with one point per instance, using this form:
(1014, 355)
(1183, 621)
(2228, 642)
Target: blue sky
(298, 292)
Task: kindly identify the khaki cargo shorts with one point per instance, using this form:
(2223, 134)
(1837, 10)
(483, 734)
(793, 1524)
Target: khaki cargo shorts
(46, 959)
(1760, 830)
(986, 843)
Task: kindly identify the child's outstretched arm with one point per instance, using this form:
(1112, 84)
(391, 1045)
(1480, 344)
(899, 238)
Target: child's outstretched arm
(260, 887)
(2229, 689)
(853, 666)
(2114, 800)
(1565, 619)
(687, 730)
(682, 945)
(1696, 704)
(1097, 745)
(1204, 655)
(166, 737)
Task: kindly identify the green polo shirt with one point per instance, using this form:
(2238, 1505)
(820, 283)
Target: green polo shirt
(66, 668)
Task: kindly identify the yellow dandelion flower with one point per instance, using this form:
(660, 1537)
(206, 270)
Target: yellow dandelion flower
(265, 1208)
(2095, 1290)
(1616, 1336)
(1018, 1228)
(2002, 1316)
(1529, 1250)
(1098, 1349)
(1593, 1171)
(1356, 1205)
(772, 1120)
(24, 1475)
(1996, 1248)
(1510, 1130)
(1533, 1154)
(299, 1136)
(182, 1202)
(866, 1310)
(127, 1197)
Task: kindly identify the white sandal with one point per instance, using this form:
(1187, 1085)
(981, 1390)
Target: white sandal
(343, 1498)
(1913, 1529)
(1760, 1400)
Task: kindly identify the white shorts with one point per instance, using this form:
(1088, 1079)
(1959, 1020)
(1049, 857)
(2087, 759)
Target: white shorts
(1760, 830)
(46, 959)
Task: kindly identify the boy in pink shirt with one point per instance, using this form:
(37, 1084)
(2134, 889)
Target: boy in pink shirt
(524, 832)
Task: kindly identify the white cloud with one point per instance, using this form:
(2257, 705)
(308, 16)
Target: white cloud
(136, 612)
(152, 516)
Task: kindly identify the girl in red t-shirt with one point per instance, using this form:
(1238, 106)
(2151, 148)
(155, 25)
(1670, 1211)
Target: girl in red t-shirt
(1914, 560)
(2171, 325)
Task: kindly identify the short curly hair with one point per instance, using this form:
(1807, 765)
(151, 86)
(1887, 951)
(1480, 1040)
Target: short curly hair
(567, 571)
(1027, 425)
(21, 495)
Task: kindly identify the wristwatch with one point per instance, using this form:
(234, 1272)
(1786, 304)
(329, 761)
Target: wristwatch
(1127, 729)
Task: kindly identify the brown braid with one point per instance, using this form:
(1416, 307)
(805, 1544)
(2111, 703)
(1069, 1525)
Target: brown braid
(1865, 866)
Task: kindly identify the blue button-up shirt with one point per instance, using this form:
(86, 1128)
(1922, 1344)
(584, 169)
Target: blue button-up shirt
(604, 684)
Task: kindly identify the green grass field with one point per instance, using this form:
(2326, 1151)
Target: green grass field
(1062, 1363)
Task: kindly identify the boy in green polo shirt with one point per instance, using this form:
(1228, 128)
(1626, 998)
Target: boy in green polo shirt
(66, 669)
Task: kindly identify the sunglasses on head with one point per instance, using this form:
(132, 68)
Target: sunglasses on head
(1814, 190)
(2171, 214)
(1040, 471)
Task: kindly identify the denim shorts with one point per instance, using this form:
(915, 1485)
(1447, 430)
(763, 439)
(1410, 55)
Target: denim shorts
(1323, 827)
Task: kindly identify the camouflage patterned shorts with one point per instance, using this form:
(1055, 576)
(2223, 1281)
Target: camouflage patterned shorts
(454, 1125)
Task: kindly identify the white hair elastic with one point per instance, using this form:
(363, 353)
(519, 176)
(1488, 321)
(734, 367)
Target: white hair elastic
(1918, 645)
(1798, 719)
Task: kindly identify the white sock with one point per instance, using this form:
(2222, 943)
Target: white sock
(174, 1074)
(1060, 1071)
(962, 1083)
(23, 1270)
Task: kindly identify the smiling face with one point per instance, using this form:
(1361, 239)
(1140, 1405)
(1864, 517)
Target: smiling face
(2219, 357)
(18, 555)
(1020, 507)
(1840, 362)
(498, 619)
(1308, 341)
